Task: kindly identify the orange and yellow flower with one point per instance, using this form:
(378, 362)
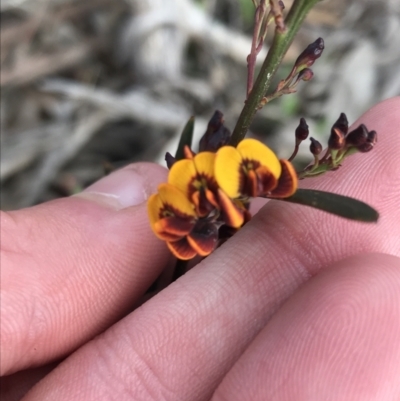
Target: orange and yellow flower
(173, 219)
(252, 169)
(195, 178)
(211, 190)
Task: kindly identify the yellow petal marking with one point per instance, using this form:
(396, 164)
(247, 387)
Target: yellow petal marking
(204, 163)
(170, 195)
(227, 170)
(251, 149)
(182, 174)
(154, 205)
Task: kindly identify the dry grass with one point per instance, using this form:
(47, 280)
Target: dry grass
(87, 83)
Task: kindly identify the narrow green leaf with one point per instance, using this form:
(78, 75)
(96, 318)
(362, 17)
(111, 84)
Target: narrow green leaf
(343, 206)
(186, 139)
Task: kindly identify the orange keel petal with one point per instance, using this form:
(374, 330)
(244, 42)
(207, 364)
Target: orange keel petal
(203, 238)
(174, 225)
(181, 249)
(287, 183)
(232, 215)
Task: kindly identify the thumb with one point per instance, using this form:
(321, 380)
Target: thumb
(73, 266)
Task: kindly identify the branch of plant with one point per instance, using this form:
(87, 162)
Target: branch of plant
(281, 42)
(256, 44)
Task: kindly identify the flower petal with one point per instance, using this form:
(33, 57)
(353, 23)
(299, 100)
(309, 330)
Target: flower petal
(203, 238)
(266, 181)
(211, 198)
(154, 206)
(232, 215)
(173, 226)
(182, 174)
(166, 236)
(174, 199)
(251, 149)
(204, 163)
(227, 170)
(287, 183)
(181, 249)
(249, 185)
(204, 202)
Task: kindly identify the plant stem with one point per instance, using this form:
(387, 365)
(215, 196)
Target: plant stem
(255, 48)
(180, 269)
(278, 49)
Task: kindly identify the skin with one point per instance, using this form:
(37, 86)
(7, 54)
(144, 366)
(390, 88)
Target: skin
(299, 305)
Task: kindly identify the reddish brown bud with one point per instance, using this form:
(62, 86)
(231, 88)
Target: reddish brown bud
(305, 75)
(372, 137)
(365, 147)
(310, 54)
(371, 140)
(302, 130)
(358, 136)
(315, 147)
(170, 160)
(336, 140)
(281, 5)
(342, 123)
(217, 134)
(188, 153)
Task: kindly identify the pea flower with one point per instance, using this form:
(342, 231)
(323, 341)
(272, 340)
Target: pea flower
(173, 219)
(195, 177)
(252, 169)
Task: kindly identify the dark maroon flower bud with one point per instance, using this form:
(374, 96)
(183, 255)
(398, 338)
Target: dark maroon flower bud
(216, 136)
(302, 130)
(358, 136)
(310, 54)
(365, 147)
(315, 147)
(342, 123)
(372, 137)
(336, 140)
(305, 75)
(170, 160)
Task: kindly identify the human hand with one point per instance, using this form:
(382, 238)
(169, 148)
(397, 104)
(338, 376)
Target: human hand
(298, 305)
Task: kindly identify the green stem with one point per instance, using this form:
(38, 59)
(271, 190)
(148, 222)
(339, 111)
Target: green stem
(278, 49)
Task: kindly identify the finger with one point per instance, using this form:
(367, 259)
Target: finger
(180, 344)
(73, 266)
(337, 338)
(15, 386)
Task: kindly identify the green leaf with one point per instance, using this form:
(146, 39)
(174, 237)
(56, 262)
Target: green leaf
(342, 206)
(186, 139)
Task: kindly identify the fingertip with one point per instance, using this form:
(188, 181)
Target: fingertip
(126, 187)
(74, 265)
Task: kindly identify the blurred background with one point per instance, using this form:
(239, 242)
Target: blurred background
(86, 85)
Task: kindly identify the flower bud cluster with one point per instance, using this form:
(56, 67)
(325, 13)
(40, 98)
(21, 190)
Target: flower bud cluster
(341, 144)
(301, 71)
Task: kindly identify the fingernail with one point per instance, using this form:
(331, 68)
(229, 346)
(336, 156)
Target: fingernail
(127, 187)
